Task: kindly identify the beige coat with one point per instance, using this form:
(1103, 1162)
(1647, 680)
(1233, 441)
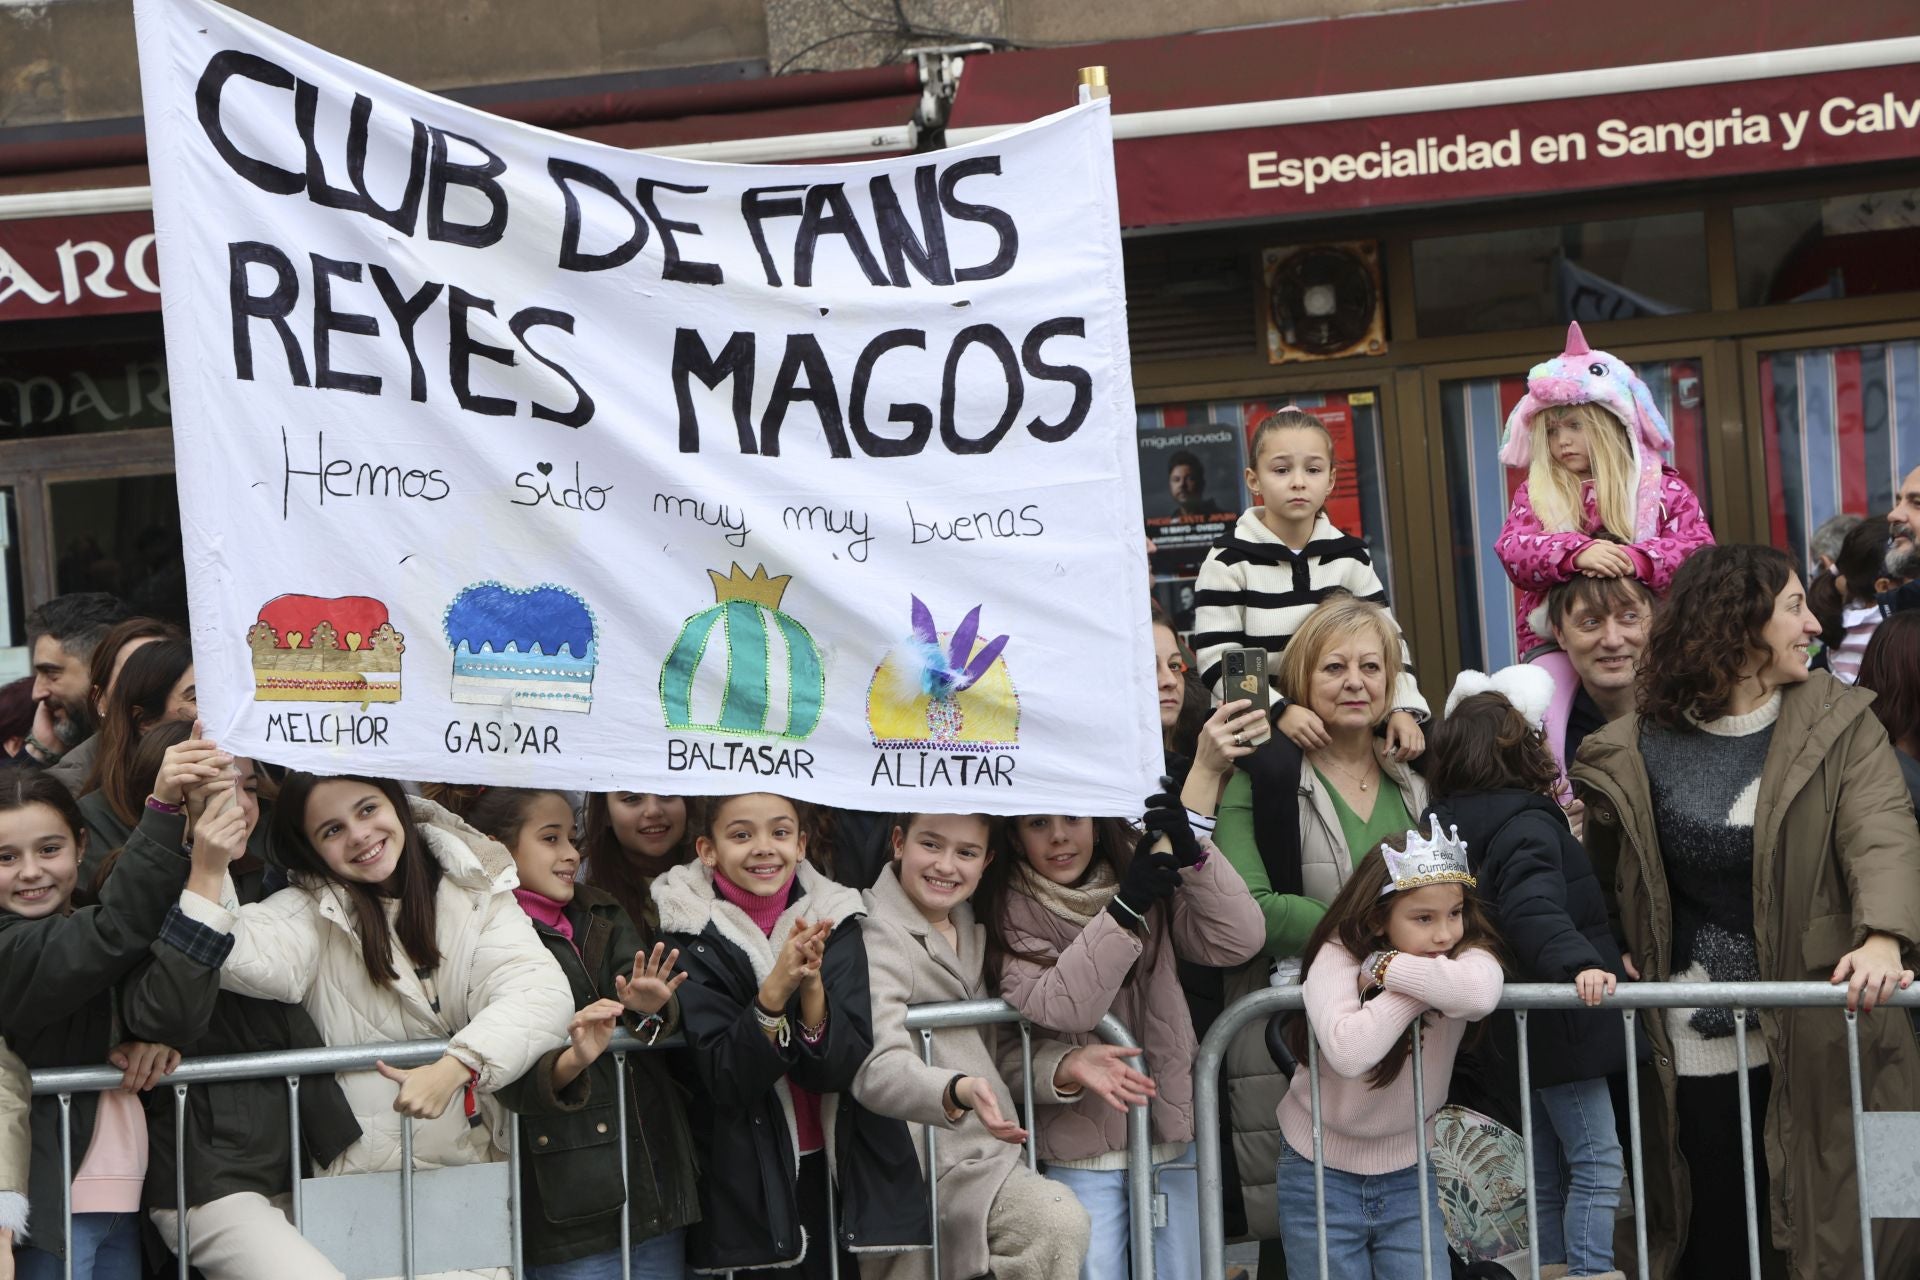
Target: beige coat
(909, 962)
(503, 1001)
(1836, 856)
(1102, 967)
(1253, 1083)
(16, 1141)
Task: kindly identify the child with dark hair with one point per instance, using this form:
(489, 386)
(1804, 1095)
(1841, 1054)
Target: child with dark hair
(778, 1023)
(1494, 779)
(59, 964)
(401, 924)
(1857, 575)
(1405, 942)
(571, 1177)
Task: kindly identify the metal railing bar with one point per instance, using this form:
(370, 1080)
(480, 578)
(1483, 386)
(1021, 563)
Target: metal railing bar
(66, 1178)
(293, 1133)
(1746, 1143)
(1858, 1105)
(626, 1175)
(180, 1180)
(1319, 1150)
(408, 1268)
(1026, 1089)
(1526, 1146)
(1627, 1027)
(516, 1210)
(933, 1162)
(1420, 1150)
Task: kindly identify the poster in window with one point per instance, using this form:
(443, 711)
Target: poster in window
(1192, 484)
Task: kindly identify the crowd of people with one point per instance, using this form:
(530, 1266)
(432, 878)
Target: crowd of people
(1670, 788)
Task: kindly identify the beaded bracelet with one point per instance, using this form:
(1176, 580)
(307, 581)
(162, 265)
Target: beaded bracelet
(782, 1029)
(814, 1035)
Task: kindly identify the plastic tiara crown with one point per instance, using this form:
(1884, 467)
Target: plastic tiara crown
(1439, 858)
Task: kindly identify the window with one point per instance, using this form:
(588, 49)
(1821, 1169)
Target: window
(1841, 247)
(1613, 270)
(73, 390)
(1842, 427)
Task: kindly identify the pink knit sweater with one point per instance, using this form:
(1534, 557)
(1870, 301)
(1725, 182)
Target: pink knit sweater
(1367, 1130)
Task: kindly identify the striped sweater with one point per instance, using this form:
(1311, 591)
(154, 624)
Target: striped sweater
(1255, 591)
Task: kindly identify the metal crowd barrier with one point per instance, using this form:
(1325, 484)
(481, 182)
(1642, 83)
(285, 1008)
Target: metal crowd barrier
(291, 1065)
(1883, 1141)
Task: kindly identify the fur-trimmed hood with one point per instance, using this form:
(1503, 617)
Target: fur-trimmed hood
(688, 904)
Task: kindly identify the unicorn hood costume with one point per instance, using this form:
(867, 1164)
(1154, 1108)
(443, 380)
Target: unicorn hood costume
(1581, 375)
(1668, 524)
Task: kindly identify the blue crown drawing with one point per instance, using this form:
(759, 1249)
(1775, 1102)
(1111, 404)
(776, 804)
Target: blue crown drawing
(522, 647)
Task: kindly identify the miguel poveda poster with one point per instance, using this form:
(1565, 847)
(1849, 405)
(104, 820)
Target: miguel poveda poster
(509, 457)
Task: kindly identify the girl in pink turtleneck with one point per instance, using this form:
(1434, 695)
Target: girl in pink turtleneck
(1403, 943)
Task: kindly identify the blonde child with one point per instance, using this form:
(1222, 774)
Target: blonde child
(1283, 558)
(1598, 499)
(1404, 942)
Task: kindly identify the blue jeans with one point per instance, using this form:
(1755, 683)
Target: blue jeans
(660, 1258)
(1373, 1222)
(106, 1246)
(1577, 1170)
(1103, 1194)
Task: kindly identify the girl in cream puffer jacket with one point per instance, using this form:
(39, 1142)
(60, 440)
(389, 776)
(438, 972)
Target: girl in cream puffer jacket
(495, 992)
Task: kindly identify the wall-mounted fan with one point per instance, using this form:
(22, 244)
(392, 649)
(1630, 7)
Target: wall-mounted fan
(1324, 302)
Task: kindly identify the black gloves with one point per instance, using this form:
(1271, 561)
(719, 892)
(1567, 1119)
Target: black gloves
(1151, 877)
(1167, 816)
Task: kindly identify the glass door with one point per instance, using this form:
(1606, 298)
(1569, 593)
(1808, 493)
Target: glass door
(1839, 425)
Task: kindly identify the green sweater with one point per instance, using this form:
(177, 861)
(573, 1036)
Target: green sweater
(1290, 917)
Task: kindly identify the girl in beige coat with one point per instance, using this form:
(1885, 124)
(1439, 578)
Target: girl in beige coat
(923, 947)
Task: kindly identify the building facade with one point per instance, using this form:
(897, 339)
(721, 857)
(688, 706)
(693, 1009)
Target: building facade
(1384, 217)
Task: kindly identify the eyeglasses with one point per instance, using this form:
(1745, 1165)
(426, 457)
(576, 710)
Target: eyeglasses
(1176, 664)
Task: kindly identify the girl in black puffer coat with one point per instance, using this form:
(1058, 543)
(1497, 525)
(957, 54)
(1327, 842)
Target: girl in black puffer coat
(1492, 777)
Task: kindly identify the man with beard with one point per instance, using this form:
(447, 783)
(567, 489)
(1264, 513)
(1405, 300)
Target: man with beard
(1903, 546)
(61, 636)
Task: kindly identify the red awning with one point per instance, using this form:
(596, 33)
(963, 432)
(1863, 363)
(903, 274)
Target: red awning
(1355, 158)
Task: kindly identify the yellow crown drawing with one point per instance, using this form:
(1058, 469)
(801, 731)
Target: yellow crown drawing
(758, 589)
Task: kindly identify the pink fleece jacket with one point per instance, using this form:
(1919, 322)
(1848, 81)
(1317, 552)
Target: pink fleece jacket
(1366, 1130)
(1538, 558)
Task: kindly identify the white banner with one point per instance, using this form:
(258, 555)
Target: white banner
(507, 457)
